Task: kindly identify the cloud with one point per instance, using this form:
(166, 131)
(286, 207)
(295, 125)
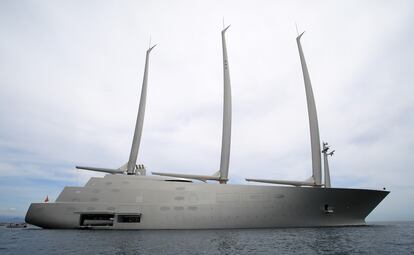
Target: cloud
(70, 76)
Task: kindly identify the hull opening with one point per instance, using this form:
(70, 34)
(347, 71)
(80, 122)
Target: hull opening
(96, 220)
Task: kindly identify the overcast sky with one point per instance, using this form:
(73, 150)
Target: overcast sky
(71, 74)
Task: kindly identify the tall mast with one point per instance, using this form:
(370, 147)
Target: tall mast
(226, 135)
(222, 174)
(313, 119)
(140, 119)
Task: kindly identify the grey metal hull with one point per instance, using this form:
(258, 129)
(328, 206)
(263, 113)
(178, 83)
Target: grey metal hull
(165, 204)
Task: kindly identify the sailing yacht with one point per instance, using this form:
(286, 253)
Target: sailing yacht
(128, 198)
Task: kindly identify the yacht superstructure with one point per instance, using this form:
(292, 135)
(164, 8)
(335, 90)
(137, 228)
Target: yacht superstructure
(128, 198)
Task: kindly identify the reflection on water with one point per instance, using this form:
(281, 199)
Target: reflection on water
(384, 238)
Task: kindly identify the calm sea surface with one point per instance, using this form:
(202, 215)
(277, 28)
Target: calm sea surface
(377, 238)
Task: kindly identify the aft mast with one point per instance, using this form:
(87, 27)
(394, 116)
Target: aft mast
(140, 119)
(226, 135)
(131, 166)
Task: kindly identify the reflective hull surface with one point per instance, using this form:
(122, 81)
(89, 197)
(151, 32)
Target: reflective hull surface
(148, 202)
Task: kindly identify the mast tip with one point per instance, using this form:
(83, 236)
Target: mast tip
(150, 49)
(224, 30)
(300, 35)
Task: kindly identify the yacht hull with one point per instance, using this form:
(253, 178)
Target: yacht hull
(166, 204)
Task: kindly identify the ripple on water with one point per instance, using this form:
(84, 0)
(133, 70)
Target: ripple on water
(385, 238)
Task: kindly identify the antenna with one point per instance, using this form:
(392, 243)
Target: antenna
(326, 153)
(149, 45)
(223, 23)
(297, 30)
(77, 176)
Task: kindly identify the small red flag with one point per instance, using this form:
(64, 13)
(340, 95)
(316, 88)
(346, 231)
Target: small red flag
(47, 199)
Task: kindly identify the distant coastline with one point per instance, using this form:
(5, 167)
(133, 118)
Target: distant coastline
(4, 219)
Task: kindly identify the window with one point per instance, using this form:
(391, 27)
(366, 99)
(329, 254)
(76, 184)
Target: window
(178, 180)
(328, 209)
(96, 219)
(129, 218)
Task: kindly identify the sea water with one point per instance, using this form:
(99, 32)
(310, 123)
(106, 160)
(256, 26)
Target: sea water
(375, 238)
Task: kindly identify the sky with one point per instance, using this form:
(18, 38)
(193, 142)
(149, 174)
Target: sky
(71, 74)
